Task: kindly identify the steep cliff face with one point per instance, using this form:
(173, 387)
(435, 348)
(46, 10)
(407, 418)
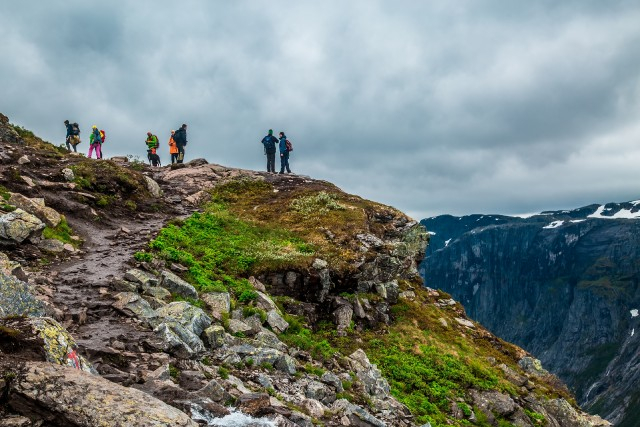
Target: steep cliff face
(563, 285)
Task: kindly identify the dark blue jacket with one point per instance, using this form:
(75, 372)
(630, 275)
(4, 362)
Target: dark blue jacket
(283, 144)
(69, 130)
(180, 137)
(269, 143)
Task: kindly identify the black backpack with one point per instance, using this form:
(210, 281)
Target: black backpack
(180, 137)
(75, 129)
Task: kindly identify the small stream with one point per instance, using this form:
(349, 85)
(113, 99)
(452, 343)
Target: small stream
(234, 419)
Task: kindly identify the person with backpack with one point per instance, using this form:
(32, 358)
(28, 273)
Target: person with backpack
(269, 143)
(95, 141)
(180, 137)
(103, 137)
(73, 135)
(152, 147)
(173, 148)
(285, 147)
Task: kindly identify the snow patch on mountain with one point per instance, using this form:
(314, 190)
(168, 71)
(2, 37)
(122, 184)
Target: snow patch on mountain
(621, 214)
(554, 224)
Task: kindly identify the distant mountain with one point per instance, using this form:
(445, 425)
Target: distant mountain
(564, 285)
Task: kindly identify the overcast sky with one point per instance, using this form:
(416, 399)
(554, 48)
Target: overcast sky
(433, 107)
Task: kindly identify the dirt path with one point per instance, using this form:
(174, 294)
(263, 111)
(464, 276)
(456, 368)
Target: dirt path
(84, 292)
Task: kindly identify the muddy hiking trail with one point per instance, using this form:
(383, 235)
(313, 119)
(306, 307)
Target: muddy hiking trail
(83, 285)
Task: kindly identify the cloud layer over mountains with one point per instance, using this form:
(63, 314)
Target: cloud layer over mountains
(433, 107)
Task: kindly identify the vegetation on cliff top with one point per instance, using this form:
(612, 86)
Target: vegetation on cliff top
(249, 227)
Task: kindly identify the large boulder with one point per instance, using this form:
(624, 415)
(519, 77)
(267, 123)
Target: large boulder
(36, 207)
(16, 298)
(177, 286)
(355, 414)
(178, 340)
(214, 336)
(59, 345)
(192, 318)
(264, 302)
(153, 187)
(370, 376)
(19, 225)
(66, 396)
(140, 277)
(277, 322)
(217, 303)
(319, 391)
(133, 305)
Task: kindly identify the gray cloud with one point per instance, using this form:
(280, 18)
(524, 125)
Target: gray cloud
(431, 107)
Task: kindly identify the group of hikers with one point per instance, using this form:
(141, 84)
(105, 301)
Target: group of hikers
(177, 142)
(284, 147)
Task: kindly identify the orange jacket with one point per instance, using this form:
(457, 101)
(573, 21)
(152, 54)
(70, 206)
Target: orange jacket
(173, 148)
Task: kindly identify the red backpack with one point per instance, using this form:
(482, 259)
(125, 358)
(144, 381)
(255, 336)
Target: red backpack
(289, 145)
(103, 135)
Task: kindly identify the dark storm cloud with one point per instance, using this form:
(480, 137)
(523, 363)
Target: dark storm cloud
(433, 107)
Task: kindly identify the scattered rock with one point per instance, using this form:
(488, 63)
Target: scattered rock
(19, 225)
(178, 340)
(192, 318)
(177, 286)
(36, 207)
(214, 336)
(333, 380)
(355, 415)
(68, 174)
(319, 391)
(153, 187)
(23, 160)
(277, 323)
(16, 298)
(217, 303)
(51, 245)
(238, 326)
(157, 292)
(313, 407)
(464, 322)
(264, 302)
(138, 276)
(133, 305)
(532, 366)
(257, 285)
(255, 404)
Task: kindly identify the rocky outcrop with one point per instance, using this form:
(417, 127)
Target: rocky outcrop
(37, 208)
(16, 298)
(67, 396)
(19, 225)
(563, 285)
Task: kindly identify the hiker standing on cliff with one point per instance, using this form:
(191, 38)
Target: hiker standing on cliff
(180, 137)
(95, 140)
(173, 148)
(152, 146)
(284, 153)
(73, 135)
(269, 143)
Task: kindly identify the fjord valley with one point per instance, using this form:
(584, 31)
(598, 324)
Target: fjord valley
(564, 285)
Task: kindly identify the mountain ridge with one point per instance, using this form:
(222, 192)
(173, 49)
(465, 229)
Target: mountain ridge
(203, 286)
